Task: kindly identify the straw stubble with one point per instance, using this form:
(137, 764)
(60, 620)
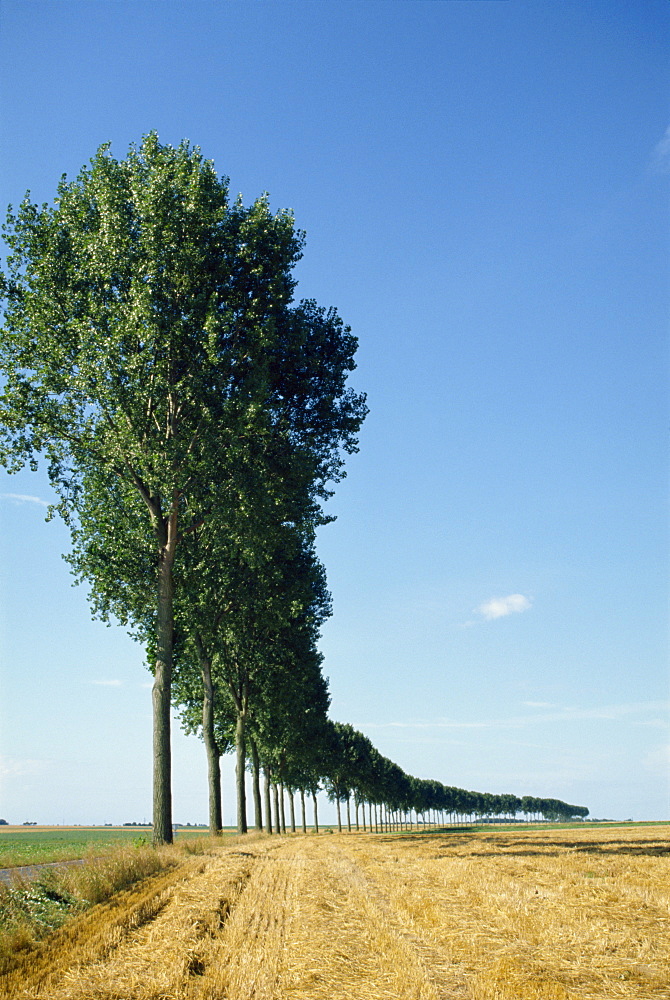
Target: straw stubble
(498, 915)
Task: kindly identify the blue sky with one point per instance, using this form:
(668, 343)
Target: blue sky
(484, 187)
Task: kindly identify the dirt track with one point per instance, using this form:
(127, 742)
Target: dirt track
(373, 918)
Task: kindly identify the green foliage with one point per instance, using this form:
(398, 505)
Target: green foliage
(186, 409)
(42, 904)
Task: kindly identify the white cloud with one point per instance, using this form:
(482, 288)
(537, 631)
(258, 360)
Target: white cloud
(660, 160)
(22, 498)
(110, 684)
(419, 724)
(21, 766)
(571, 713)
(499, 607)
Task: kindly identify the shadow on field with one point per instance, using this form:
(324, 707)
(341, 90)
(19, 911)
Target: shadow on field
(620, 848)
(454, 834)
(502, 846)
(649, 848)
(435, 831)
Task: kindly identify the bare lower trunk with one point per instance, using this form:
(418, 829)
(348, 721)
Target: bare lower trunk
(268, 810)
(316, 813)
(292, 808)
(282, 806)
(258, 814)
(348, 813)
(161, 693)
(339, 816)
(241, 757)
(275, 796)
(302, 806)
(211, 749)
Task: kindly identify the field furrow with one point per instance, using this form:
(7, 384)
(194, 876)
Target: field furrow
(348, 939)
(150, 947)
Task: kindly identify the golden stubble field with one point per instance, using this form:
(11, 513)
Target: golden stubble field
(497, 915)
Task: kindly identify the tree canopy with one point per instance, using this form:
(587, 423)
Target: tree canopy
(153, 357)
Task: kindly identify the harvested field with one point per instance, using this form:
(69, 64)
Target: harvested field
(496, 915)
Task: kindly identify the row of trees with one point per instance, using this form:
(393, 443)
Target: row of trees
(355, 769)
(193, 419)
(375, 792)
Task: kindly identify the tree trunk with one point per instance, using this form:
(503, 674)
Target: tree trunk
(339, 815)
(275, 796)
(292, 808)
(161, 692)
(241, 758)
(213, 760)
(258, 812)
(349, 813)
(302, 806)
(316, 813)
(282, 807)
(268, 810)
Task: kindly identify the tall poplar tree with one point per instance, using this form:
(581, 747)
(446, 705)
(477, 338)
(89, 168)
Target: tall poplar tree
(149, 342)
